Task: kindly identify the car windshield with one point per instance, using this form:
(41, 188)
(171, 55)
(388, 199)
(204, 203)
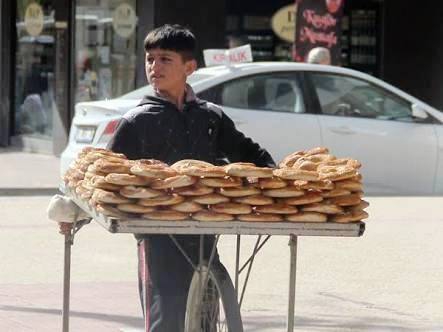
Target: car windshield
(147, 89)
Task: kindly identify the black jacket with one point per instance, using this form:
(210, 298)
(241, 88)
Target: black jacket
(157, 129)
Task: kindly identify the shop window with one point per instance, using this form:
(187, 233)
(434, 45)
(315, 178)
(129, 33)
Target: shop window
(34, 72)
(105, 48)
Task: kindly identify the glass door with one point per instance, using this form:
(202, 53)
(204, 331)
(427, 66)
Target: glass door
(105, 48)
(34, 74)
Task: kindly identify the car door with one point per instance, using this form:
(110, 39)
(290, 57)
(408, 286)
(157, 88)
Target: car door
(372, 124)
(270, 109)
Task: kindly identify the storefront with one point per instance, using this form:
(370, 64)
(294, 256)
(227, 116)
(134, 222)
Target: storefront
(57, 53)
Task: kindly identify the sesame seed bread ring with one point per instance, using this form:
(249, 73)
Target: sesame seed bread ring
(105, 166)
(150, 162)
(90, 175)
(271, 183)
(296, 174)
(209, 172)
(308, 198)
(110, 156)
(231, 208)
(198, 168)
(195, 190)
(351, 216)
(166, 215)
(152, 169)
(362, 205)
(245, 170)
(344, 162)
(348, 200)
(289, 160)
(283, 192)
(322, 207)
(135, 208)
(140, 192)
(103, 196)
(307, 217)
(83, 192)
(210, 199)
(336, 173)
(316, 150)
(190, 162)
(226, 182)
(206, 215)
(314, 185)
(187, 207)
(317, 158)
(177, 181)
(161, 200)
(126, 179)
(278, 208)
(348, 184)
(305, 165)
(335, 193)
(111, 211)
(260, 217)
(92, 170)
(239, 191)
(254, 200)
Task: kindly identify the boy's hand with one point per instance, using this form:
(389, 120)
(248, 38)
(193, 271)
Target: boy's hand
(64, 227)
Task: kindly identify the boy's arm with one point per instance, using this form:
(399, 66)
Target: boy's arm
(237, 147)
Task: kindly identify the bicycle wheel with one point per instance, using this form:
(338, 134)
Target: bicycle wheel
(212, 307)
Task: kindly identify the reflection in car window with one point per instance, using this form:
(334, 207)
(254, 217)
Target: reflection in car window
(276, 92)
(346, 96)
(147, 89)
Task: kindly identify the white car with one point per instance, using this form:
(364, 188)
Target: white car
(287, 107)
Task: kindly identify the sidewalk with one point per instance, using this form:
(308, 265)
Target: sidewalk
(24, 173)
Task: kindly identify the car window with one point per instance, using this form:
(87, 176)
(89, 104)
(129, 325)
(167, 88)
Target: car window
(347, 96)
(271, 92)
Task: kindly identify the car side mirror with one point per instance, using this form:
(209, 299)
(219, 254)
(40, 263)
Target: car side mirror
(418, 112)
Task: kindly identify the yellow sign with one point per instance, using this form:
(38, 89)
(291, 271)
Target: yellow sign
(34, 19)
(283, 22)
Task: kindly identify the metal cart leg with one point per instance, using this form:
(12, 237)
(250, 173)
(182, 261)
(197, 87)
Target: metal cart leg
(69, 242)
(292, 275)
(66, 282)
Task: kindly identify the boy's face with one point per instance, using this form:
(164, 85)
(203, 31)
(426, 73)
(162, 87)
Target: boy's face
(166, 70)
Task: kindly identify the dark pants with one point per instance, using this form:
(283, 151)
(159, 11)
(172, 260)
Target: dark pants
(164, 278)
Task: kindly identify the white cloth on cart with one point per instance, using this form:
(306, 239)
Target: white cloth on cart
(63, 209)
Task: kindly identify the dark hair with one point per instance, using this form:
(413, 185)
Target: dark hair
(174, 38)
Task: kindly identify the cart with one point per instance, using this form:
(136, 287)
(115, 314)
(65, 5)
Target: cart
(211, 282)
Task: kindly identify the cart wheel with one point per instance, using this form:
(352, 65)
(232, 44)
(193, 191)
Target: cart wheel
(216, 308)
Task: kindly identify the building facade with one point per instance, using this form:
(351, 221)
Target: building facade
(55, 54)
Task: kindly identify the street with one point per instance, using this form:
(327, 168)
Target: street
(387, 280)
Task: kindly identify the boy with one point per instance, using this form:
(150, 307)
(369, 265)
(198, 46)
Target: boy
(170, 126)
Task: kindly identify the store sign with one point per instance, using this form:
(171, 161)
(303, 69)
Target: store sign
(318, 24)
(34, 19)
(124, 20)
(214, 57)
(283, 22)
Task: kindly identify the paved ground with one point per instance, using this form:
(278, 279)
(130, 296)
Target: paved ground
(387, 280)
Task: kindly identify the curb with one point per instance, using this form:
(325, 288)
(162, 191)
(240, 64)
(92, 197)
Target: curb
(28, 191)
